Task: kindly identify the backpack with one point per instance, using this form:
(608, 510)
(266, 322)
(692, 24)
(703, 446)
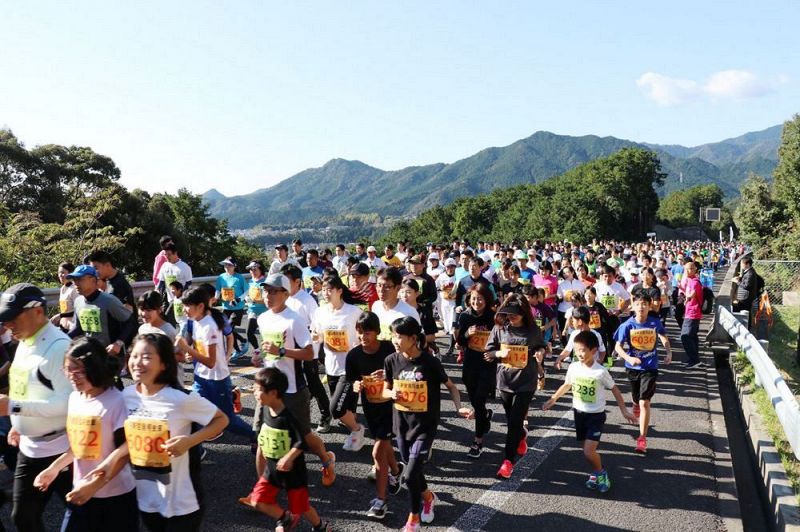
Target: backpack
(708, 300)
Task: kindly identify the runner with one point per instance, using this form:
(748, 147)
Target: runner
(614, 298)
(479, 374)
(364, 370)
(255, 304)
(582, 318)
(67, 293)
(545, 280)
(569, 285)
(231, 288)
(517, 342)
(150, 305)
(312, 270)
(375, 264)
(389, 258)
(282, 259)
(588, 381)
(445, 283)
(639, 334)
(364, 292)
(173, 270)
(410, 294)
(116, 284)
(413, 380)
(168, 490)
(389, 307)
(692, 291)
(161, 258)
(649, 285)
(96, 414)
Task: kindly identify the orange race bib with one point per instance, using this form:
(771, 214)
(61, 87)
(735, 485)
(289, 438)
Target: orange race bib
(643, 339)
(412, 396)
(201, 348)
(546, 289)
(373, 389)
(568, 295)
(336, 340)
(478, 341)
(62, 306)
(227, 294)
(85, 436)
(516, 355)
(255, 294)
(620, 303)
(146, 439)
(594, 320)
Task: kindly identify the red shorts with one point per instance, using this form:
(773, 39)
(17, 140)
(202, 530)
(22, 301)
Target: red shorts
(266, 493)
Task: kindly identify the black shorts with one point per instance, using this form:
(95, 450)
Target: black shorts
(589, 426)
(379, 420)
(643, 383)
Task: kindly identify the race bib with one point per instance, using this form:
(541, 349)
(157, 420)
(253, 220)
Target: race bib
(178, 309)
(643, 339)
(275, 338)
(336, 340)
(620, 303)
(89, 318)
(18, 383)
(146, 439)
(255, 294)
(516, 355)
(62, 306)
(169, 279)
(523, 281)
(373, 389)
(386, 332)
(227, 294)
(201, 348)
(274, 443)
(585, 388)
(412, 396)
(594, 320)
(609, 301)
(568, 295)
(308, 283)
(85, 434)
(478, 341)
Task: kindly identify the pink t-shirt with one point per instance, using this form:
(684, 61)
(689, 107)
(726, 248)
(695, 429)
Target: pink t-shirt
(694, 305)
(91, 423)
(161, 258)
(550, 284)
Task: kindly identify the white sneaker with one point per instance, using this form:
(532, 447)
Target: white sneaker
(426, 516)
(355, 441)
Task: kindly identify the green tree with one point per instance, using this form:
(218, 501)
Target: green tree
(787, 173)
(682, 207)
(758, 214)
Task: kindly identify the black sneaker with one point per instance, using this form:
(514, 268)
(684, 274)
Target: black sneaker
(323, 526)
(324, 427)
(396, 481)
(693, 365)
(475, 451)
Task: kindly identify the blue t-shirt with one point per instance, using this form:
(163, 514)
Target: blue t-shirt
(256, 304)
(527, 275)
(461, 273)
(238, 284)
(677, 273)
(308, 273)
(642, 340)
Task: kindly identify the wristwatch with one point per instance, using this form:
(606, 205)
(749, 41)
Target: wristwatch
(282, 352)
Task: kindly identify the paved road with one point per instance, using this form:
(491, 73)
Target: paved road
(674, 487)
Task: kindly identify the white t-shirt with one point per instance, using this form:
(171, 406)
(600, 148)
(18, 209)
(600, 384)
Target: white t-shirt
(570, 347)
(435, 272)
(304, 304)
(180, 271)
(337, 330)
(387, 316)
(589, 386)
(375, 265)
(91, 424)
(565, 291)
(610, 296)
(206, 333)
(445, 284)
(290, 330)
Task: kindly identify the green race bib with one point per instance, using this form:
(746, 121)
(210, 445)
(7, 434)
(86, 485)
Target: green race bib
(274, 443)
(609, 301)
(585, 388)
(178, 309)
(386, 332)
(18, 383)
(169, 279)
(275, 338)
(89, 318)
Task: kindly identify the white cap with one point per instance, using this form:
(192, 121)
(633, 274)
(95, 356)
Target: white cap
(277, 280)
(372, 248)
(450, 262)
(433, 256)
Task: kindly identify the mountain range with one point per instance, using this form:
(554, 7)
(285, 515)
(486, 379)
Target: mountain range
(341, 186)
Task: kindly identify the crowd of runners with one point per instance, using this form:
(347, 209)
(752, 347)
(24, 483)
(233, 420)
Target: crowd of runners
(337, 328)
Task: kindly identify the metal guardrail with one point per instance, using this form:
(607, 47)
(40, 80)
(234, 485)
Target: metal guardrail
(767, 376)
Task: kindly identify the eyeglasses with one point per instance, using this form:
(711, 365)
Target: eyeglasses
(273, 291)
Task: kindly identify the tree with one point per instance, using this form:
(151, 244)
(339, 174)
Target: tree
(787, 173)
(682, 207)
(758, 214)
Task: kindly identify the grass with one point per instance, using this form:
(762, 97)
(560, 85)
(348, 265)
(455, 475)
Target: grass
(783, 344)
(770, 421)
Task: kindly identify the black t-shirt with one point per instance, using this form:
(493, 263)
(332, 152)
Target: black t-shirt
(465, 283)
(359, 364)
(511, 378)
(653, 291)
(280, 434)
(509, 289)
(420, 381)
(467, 319)
(121, 288)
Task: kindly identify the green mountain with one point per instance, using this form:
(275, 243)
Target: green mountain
(342, 186)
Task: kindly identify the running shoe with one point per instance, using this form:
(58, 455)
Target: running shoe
(372, 475)
(693, 365)
(288, 522)
(396, 481)
(355, 441)
(329, 473)
(475, 451)
(505, 470)
(641, 445)
(636, 410)
(377, 509)
(522, 448)
(323, 526)
(411, 526)
(591, 482)
(426, 516)
(603, 482)
(324, 426)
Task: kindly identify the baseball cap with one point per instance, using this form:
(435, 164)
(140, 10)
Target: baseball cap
(634, 271)
(284, 247)
(512, 307)
(82, 271)
(19, 298)
(519, 254)
(277, 280)
(228, 261)
(433, 256)
(360, 269)
(255, 264)
(372, 249)
(416, 259)
(450, 262)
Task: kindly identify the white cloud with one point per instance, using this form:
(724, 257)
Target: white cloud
(722, 85)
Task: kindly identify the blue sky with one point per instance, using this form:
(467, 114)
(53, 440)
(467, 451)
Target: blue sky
(239, 95)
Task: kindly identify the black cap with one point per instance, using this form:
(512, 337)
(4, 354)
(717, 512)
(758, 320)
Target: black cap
(18, 298)
(511, 307)
(282, 246)
(360, 269)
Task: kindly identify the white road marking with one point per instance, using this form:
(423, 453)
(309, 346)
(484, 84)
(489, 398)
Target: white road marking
(481, 512)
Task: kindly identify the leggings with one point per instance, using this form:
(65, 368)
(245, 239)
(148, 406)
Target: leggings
(479, 379)
(29, 502)
(236, 320)
(252, 327)
(516, 407)
(413, 453)
(343, 398)
(317, 389)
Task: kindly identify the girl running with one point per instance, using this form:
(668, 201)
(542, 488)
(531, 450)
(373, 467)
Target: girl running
(255, 303)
